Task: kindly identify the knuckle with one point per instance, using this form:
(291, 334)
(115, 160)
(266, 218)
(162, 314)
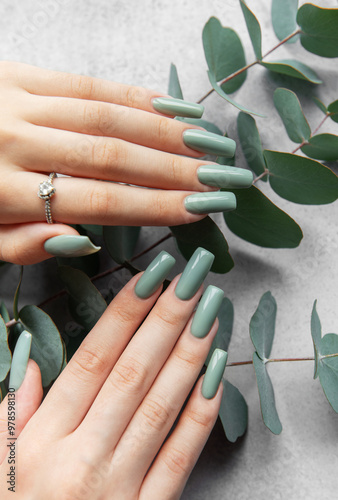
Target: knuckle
(188, 357)
(156, 413)
(168, 316)
(100, 202)
(124, 315)
(81, 86)
(133, 96)
(87, 361)
(129, 376)
(177, 461)
(107, 153)
(163, 129)
(201, 419)
(174, 171)
(161, 207)
(97, 116)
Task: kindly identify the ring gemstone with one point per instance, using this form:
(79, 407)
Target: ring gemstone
(46, 190)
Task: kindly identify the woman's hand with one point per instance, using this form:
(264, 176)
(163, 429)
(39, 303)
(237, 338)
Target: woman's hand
(101, 432)
(94, 130)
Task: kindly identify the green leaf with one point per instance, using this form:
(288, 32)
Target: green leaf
(3, 391)
(224, 54)
(204, 233)
(328, 368)
(300, 179)
(89, 264)
(224, 332)
(316, 333)
(92, 228)
(121, 241)
(5, 353)
(233, 412)
(320, 104)
(322, 147)
(319, 30)
(251, 143)
(283, 16)
(254, 29)
(174, 88)
(257, 220)
(291, 113)
(262, 325)
(333, 110)
(86, 303)
(47, 349)
(293, 68)
(4, 312)
(225, 96)
(266, 396)
(16, 296)
(210, 127)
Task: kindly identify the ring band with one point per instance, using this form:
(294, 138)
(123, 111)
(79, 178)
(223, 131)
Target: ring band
(46, 191)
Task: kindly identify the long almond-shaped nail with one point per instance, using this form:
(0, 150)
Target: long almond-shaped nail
(154, 275)
(178, 107)
(194, 273)
(20, 360)
(206, 311)
(223, 176)
(207, 203)
(207, 142)
(214, 373)
(68, 245)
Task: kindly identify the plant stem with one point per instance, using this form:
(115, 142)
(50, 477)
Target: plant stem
(260, 176)
(11, 323)
(313, 133)
(241, 70)
(277, 360)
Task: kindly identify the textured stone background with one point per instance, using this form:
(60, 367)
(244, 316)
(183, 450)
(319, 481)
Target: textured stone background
(135, 42)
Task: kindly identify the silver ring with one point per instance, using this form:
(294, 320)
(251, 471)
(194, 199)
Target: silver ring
(46, 191)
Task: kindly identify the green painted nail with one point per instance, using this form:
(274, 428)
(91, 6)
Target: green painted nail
(206, 311)
(178, 107)
(154, 275)
(20, 360)
(206, 203)
(194, 273)
(214, 373)
(223, 176)
(207, 142)
(68, 245)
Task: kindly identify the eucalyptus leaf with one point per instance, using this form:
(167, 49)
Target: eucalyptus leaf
(47, 348)
(4, 312)
(293, 68)
(16, 296)
(224, 54)
(233, 412)
(5, 353)
(283, 16)
(89, 264)
(257, 220)
(262, 325)
(92, 228)
(316, 333)
(322, 147)
(121, 241)
(320, 104)
(86, 304)
(174, 88)
(300, 179)
(333, 110)
(3, 391)
(225, 96)
(254, 29)
(223, 336)
(204, 233)
(328, 368)
(291, 113)
(209, 126)
(251, 143)
(319, 30)
(266, 396)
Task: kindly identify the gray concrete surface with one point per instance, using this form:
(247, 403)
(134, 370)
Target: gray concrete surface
(135, 42)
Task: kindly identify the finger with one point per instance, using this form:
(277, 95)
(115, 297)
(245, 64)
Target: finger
(27, 401)
(24, 243)
(175, 461)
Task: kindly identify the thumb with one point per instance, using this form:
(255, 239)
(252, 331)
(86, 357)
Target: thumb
(35, 242)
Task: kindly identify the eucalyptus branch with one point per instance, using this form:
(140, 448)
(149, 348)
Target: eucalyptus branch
(266, 171)
(276, 360)
(303, 143)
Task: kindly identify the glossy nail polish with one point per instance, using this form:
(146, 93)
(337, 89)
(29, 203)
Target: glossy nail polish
(154, 275)
(207, 142)
(214, 373)
(178, 107)
(223, 176)
(206, 311)
(20, 360)
(194, 273)
(68, 245)
(206, 203)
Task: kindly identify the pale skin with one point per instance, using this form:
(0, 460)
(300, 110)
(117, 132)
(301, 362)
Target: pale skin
(100, 431)
(92, 130)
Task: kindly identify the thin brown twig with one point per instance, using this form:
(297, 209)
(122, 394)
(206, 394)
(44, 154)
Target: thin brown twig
(273, 360)
(304, 142)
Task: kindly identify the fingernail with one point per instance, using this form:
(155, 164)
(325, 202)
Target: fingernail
(20, 360)
(214, 373)
(223, 176)
(207, 142)
(154, 275)
(178, 107)
(206, 311)
(194, 273)
(206, 203)
(68, 245)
